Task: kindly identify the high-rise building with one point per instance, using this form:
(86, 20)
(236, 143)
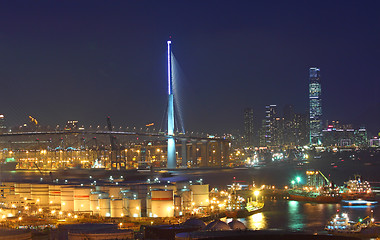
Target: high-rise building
(270, 116)
(3, 128)
(315, 110)
(248, 127)
(301, 129)
(289, 125)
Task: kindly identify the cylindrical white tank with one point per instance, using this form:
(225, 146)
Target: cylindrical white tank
(94, 202)
(23, 189)
(67, 198)
(40, 194)
(200, 195)
(161, 203)
(82, 199)
(134, 207)
(186, 198)
(114, 191)
(128, 194)
(177, 205)
(104, 205)
(54, 195)
(117, 208)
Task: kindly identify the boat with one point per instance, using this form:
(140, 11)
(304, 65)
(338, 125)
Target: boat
(238, 207)
(244, 210)
(356, 189)
(359, 202)
(8, 164)
(314, 196)
(315, 190)
(340, 225)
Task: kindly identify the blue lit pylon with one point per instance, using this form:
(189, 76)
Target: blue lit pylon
(172, 162)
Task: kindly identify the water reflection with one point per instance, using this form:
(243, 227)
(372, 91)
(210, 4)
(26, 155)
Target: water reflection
(296, 222)
(301, 216)
(256, 221)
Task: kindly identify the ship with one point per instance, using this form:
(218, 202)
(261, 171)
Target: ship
(340, 225)
(238, 207)
(357, 189)
(317, 189)
(314, 196)
(244, 210)
(8, 164)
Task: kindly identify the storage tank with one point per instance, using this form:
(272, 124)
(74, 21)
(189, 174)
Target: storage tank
(23, 189)
(128, 194)
(177, 206)
(186, 196)
(94, 202)
(67, 198)
(82, 199)
(40, 194)
(161, 203)
(105, 208)
(55, 195)
(117, 208)
(134, 207)
(114, 191)
(200, 195)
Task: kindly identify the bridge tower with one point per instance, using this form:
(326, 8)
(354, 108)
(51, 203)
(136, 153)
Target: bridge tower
(172, 161)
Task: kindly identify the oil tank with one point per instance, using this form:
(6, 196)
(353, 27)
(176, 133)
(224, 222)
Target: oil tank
(200, 195)
(117, 208)
(40, 194)
(134, 207)
(23, 189)
(105, 208)
(67, 198)
(161, 203)
(82, 199)
(54, 195)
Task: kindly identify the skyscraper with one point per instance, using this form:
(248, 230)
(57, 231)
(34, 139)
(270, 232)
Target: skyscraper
(270, 116)
(248, 127)
(315, 106)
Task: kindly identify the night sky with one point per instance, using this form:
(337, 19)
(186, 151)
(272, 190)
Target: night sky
(85, 60)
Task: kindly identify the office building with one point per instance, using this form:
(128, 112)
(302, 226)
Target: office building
(315, 109)
(270, 125)
(248, 127)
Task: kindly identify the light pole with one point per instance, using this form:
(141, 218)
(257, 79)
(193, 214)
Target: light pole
(256, 193)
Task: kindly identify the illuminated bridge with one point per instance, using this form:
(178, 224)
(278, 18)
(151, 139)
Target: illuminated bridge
(181, 150)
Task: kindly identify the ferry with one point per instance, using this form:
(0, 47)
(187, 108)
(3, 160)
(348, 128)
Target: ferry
(356, 189)
(340, 225)
(244, 210)
(238, 207)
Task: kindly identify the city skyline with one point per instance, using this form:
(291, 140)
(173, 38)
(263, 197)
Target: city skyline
(78, 66)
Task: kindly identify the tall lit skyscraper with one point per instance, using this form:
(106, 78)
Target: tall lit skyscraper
(315, 106)
(270, 116)
(248, 127)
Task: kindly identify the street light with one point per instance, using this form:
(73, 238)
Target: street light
(256, 193)
(298, 180)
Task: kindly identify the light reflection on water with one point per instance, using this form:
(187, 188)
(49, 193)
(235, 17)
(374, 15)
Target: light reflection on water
(301, 216)
(256, 221)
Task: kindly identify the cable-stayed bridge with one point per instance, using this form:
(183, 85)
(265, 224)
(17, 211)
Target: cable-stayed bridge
(182, 150)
